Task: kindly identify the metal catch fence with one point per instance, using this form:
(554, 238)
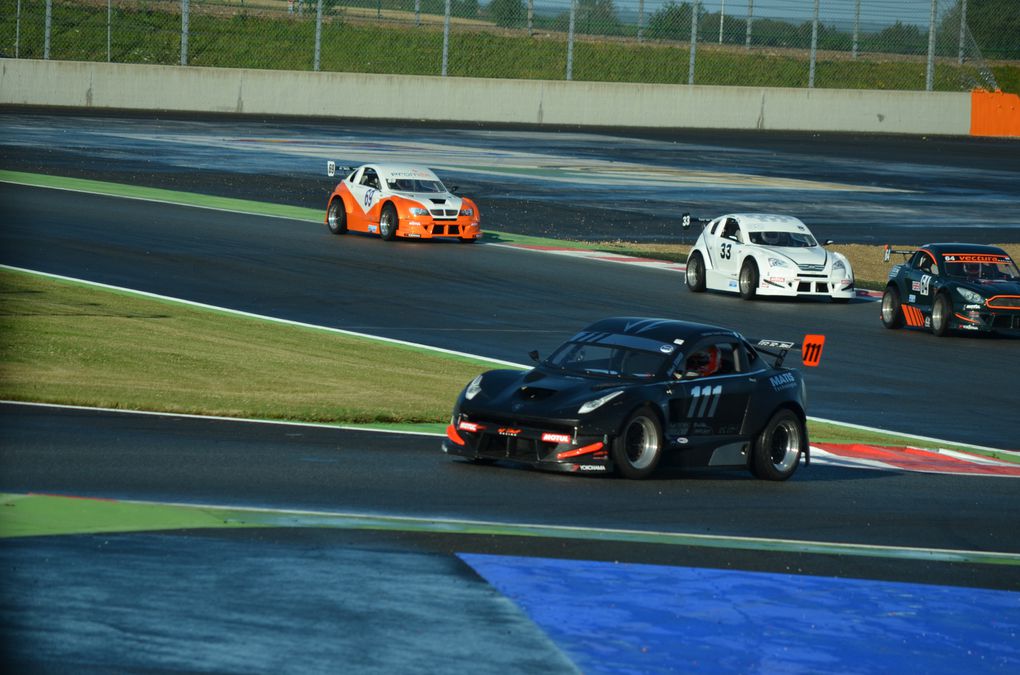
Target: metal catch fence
(855, 44)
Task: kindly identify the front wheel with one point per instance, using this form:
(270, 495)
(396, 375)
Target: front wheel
(696, 273)
(892, 314)
(940, 313)
(638, 448)
(388, 222)
(777, 449)
(748, 280)
(336, 216)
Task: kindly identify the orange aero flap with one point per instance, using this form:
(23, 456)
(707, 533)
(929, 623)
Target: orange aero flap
(993, 113)
(811, 350)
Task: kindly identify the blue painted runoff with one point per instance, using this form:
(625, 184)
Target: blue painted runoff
(635, 618)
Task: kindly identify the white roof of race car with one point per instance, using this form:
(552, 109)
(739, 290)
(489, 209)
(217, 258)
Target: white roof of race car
(396, 171)
(768, 222)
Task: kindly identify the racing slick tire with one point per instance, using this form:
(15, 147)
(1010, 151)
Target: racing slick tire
(637, 450)
(696, 273)
(941, 311)
(336, 216)
(892, 312)
(777, 449)
(748, 282)
(468, 240)
(389, 222)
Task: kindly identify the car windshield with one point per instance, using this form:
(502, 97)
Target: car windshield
(783, 239)
(981, 268)
(588, 358)
(414, 185)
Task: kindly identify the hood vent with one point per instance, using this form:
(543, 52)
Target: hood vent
(535, 393)
(437, 201)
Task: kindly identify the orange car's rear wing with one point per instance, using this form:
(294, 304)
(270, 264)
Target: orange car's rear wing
(810, 349)
(332, 168)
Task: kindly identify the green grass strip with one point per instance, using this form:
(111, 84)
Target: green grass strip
(35, 515)
(164, 196)
(71, 343)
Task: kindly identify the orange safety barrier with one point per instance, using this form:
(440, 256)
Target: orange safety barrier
(994, 113)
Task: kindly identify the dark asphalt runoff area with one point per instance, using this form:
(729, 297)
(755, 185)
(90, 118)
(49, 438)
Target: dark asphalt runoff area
(313, 600)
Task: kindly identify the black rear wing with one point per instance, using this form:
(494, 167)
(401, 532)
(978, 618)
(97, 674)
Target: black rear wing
(686, 221)
(899, 251)
(810, 349)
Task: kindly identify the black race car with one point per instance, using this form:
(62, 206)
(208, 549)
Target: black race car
(632, 394)
(946, 287)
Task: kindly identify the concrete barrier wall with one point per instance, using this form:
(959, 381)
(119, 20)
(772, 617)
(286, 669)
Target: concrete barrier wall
(354, 95)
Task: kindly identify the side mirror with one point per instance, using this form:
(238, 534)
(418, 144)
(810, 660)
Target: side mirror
(453, 188)
(533, 354)
(827, 242)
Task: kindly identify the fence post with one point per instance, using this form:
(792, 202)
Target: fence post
(929, 79)
(446, 37)
(531, 17)
(184, 32)
(750, 18)
(318, 34)
(109, 29)
(570, 42)
(857, 25)
(46, 36)
(417, 12)
(722, 19)
(814, 48)
(694, 40)
(641, 20)
(963, 28)
(17, 32)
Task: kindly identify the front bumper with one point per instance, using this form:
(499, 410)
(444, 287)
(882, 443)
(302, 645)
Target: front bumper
(985, 320)
(806, 285)
(551, 447)
(425, 227)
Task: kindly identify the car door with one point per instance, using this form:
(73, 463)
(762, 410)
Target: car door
(729, 250)
(919, 282)
(707, 406)
(366, 190)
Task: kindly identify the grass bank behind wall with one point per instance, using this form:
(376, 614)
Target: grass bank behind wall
(287, 42)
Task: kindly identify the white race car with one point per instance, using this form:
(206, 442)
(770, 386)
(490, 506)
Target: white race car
(766, 254)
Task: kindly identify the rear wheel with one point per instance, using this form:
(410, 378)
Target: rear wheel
(336, 216)
(696, 273)
(388, 222)
(892, 312)
(748, 279)
(638, 448)
(941, 312)
(777, 449)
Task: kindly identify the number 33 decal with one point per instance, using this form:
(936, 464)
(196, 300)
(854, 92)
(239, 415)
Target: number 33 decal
(725, 251)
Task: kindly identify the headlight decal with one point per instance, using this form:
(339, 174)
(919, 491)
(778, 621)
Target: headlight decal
(474, 388)
(598, 402)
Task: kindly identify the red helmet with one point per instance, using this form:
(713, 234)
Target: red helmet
(704, 362)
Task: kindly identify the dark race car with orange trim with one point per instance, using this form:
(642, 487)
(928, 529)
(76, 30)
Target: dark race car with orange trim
(399, 200)
(950, 287)
(632, 394)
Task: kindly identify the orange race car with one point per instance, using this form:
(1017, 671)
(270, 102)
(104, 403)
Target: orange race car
(399, 200)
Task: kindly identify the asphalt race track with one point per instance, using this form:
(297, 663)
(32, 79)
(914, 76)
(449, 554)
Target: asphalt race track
(306, 599)
(498, 302)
